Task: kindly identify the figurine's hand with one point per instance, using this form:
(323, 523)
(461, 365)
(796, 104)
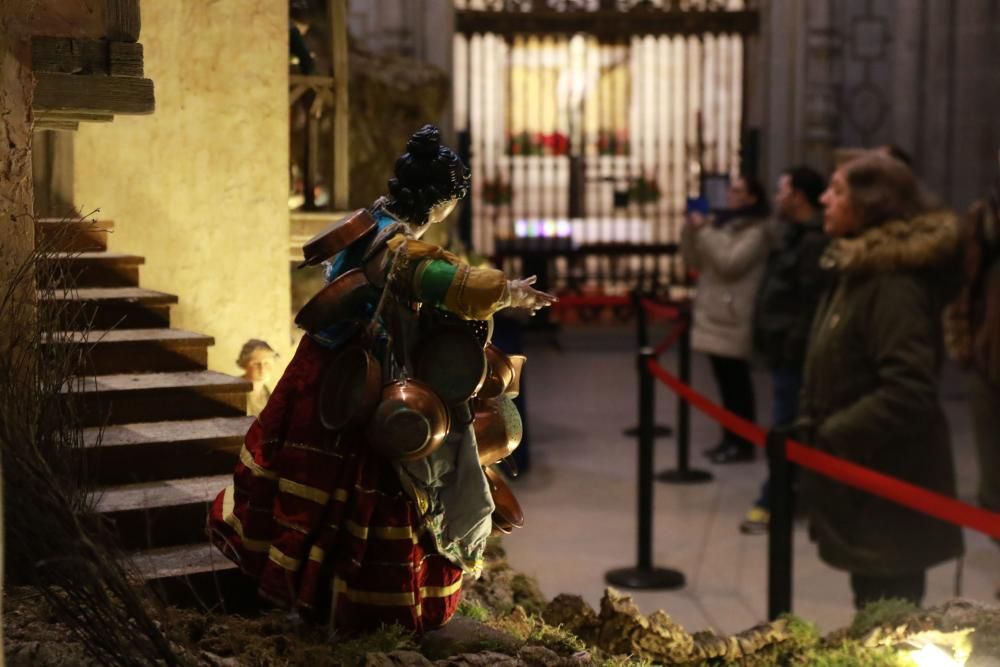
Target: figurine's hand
(523, 295)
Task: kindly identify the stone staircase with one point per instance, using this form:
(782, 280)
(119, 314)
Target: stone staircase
(172, 430)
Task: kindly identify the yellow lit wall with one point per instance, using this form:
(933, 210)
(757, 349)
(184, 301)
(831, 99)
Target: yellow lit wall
(200, 187)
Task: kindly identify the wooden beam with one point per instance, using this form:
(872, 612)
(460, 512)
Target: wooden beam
(341, 110)
(79, 116)
(65, 55)
(107, 94)
(65, 125)
(607, 24)
(122, 20)
(80, 18)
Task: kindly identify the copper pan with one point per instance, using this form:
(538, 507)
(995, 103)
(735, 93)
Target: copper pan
(499, 373)
(514, 388)
(498, 429)
(500, 526)
(451, 360)
(342, 299)
(351, 389)
(507, 507)
(409, 423)
(337, 237)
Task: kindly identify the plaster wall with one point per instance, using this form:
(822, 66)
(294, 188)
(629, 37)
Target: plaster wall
(200, 187)
(17, 232)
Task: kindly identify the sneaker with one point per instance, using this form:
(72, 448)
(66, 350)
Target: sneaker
(756, 521)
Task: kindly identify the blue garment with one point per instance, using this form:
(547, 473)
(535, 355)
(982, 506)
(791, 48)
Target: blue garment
(786, 384)
(350, 258)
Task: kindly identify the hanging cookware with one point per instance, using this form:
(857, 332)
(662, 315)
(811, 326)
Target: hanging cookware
(451, 360)
(350, 390)
(432, 319)
(500, 526)
(507, 507)
(513, 389)
(344, 299)
(498, 429)
(337, 236)
(409, 423)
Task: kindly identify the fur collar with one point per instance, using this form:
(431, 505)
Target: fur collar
(926, 242)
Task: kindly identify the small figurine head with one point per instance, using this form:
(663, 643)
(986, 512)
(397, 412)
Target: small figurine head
(257, 360)
(429, 180)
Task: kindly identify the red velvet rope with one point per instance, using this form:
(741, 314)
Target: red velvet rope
(846, 472)
(597, 300)
(672, 339)
(659, 310)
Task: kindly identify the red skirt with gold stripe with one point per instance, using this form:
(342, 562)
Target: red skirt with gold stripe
(321, 523)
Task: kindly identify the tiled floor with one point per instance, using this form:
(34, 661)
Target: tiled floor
(579, 498)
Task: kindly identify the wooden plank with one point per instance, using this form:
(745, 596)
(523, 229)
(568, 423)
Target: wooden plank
(125, 59)
(108, 94)
(66, 55)
(74, 116)
(341, 118)
(140, 382)
(80, 18)
(145, 433)
(131, 294)
(61, 125)
(161, 493)
(122, 20)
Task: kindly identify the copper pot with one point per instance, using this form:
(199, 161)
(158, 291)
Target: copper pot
(498, 429)
(343, 299)
(508, 510)
(451, 360)
(337, 237)
(409, 423)
(351, 389)
(503, 373)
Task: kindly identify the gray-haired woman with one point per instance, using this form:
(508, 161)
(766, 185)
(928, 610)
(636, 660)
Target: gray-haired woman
(872, 373)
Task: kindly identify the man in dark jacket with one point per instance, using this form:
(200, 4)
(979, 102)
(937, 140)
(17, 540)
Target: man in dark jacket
(786, 302)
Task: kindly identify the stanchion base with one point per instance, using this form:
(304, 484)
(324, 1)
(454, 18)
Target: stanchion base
(684, 476)
(659, 431)
(641, 578)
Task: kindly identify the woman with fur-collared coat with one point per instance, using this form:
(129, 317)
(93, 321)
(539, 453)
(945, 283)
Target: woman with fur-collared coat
(870, 392)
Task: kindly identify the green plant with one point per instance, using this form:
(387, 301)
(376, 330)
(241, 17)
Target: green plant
(473, 610)
(883, 613)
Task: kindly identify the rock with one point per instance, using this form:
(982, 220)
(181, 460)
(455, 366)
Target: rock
(397, 659)
(539, 656)
(574, 615)
(483, 659)
(464, 635)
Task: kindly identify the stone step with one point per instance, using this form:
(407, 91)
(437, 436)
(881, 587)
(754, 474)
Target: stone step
(149, 451)
(90, 269)
(107, 308)
(163, 513)
(145, 397)
(57, 235)
(196, 575)
(103, 352)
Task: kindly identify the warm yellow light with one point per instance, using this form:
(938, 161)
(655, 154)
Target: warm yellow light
(930, 655)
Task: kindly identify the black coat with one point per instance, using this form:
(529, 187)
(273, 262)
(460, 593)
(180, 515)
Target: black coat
(792, 286)
(871, 395)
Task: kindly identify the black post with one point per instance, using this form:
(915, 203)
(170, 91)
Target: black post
(684, 474)
(779, 534)
(644, 575)
(642, 341)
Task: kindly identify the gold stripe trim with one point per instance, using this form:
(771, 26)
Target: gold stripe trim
(302, 491)
(246, 458)
(440, 591)
(283, 561)
(374, 599)
(381, 532)
(340, 495)
(316, 554)
(229, 516)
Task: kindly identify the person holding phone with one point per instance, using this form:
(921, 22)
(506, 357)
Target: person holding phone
(728, 250)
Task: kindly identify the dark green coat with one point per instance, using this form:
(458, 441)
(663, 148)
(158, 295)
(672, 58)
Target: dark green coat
(871, 394)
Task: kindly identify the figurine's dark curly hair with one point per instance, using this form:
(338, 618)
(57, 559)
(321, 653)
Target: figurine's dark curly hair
(426, 175)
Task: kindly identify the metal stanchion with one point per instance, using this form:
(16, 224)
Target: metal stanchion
(779, 534)
(684, 474)
(644, 575)
(642, 341)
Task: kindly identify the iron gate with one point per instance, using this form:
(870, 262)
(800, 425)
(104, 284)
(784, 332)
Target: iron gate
(589, 123)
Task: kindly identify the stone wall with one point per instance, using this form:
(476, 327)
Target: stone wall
(17, 232)
(859, 73)
(200, 187)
